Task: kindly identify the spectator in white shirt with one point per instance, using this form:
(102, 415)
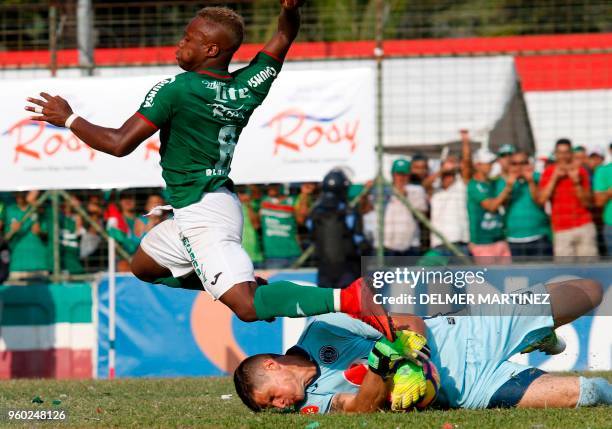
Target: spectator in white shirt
(401, 231)
(449, 200)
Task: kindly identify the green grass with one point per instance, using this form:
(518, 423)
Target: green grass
(196, 402)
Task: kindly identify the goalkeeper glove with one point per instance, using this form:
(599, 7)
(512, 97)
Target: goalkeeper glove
(411, 344)
(384, 358)
(409, 386)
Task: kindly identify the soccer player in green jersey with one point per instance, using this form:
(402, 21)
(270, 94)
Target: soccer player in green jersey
(200, 114)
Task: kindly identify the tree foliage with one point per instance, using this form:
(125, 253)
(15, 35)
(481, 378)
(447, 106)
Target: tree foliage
(118, 23)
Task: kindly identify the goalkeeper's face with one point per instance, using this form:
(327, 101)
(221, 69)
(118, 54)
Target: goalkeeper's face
(279, 388)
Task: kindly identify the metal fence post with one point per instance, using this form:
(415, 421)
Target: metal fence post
(85, 36)
(56, 236)
(111, 307)
(379, 55)
(53, 38)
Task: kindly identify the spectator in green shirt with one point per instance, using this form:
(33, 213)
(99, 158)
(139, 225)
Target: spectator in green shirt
(487, 242)
(504, 158)
(279, 229)
(70, 233)
(120, 225)
(602, 185)
(25, 238)
(250, 230)
(527, 225)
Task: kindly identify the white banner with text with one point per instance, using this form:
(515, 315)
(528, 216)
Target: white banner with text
(311, 122)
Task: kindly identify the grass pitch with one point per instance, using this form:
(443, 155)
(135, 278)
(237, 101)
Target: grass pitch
(198, 402)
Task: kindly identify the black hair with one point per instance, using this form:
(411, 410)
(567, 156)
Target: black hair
(248, 376)
(563, 142)
(418, 157)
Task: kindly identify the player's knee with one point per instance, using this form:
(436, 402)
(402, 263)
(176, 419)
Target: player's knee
(246, 312)
(594, 290)
(241, 300)
(140, 271)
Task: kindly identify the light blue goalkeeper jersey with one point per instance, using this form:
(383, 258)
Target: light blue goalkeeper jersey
(471, 353)
(339, 345)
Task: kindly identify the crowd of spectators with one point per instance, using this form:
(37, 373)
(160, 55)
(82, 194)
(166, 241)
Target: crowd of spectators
(506, 206)
(491, 207)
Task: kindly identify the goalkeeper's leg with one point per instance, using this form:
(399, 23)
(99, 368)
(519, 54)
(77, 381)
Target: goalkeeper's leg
(550, 391)
(573, 298)
(568, 300)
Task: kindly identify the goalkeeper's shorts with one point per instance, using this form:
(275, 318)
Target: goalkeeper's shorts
(472, 352)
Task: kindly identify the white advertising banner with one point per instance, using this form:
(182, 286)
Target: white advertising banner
(311, 122)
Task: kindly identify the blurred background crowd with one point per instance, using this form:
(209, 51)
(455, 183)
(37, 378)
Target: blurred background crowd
(492, 207)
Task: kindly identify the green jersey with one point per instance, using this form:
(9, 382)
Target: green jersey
(70, 247)
(200, 116)
(28, 252)
(485, 227)
(524, 219)
(250, 237)
(603, 183)
(279, 228)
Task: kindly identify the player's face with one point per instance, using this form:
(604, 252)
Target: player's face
(281, 390)
(195, 45)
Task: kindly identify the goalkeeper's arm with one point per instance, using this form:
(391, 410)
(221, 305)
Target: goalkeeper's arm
(409, 322)
(372, 396)
(374, 389)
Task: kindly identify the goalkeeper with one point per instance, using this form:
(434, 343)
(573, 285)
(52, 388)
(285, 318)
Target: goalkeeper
(341, 364)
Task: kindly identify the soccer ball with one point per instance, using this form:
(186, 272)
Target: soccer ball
(432, 382)
(433, 385)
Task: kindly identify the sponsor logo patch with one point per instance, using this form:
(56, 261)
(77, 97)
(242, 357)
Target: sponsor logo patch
(150, 98)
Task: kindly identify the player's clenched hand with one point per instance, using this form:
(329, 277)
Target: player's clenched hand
(409, 386)
(52, 109)
(411, 344)
(384, 358)
(291, 4)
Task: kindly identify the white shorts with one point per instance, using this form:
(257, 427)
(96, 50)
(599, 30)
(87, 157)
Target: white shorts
(206, 237)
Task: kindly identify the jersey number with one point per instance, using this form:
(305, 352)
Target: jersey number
(228, 138)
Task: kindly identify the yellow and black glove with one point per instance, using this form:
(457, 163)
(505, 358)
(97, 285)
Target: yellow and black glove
(409, 386)
(384, 358)
(411, 344)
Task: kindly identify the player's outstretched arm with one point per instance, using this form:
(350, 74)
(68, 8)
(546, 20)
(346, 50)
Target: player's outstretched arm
(114, 141)
(288, 27)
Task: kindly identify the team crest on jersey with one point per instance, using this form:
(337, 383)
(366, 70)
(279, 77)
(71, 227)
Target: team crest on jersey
(311, 409)
(328, 354)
